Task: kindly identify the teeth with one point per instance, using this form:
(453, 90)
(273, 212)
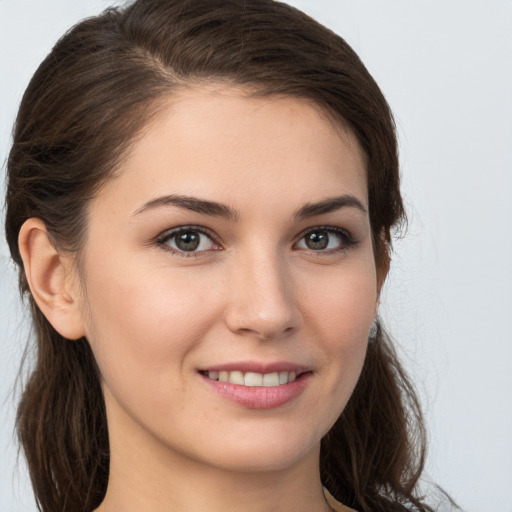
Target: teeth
(253, 379)
(236, 377)
(271, 379)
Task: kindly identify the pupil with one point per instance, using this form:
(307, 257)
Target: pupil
(318, 240)
(188, 241)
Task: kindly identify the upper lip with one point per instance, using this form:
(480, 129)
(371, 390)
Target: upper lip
(258, 367)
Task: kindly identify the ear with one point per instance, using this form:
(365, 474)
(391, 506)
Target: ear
(383, 262)
(51, 279)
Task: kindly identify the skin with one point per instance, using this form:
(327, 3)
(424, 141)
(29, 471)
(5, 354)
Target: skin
(253, 291)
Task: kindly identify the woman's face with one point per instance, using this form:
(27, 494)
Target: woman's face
(234, 245)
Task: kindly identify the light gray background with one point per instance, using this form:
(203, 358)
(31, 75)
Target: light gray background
(445, 67)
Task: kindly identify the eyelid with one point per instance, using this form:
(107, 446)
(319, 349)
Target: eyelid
(165, 236)
(347, 239)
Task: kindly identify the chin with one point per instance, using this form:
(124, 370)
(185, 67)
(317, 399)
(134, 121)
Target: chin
(263, 452)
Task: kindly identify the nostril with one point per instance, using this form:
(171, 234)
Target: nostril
(263, 307)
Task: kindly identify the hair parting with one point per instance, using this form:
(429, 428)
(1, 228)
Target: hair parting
(93, 95)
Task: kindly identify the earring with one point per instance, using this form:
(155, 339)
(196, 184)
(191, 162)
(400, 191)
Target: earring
(374, 330)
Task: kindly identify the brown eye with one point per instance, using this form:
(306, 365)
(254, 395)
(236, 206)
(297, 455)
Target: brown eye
(188, 241)
(325, 239)
(317, 241)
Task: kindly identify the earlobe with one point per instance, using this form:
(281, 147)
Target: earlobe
(50, 278)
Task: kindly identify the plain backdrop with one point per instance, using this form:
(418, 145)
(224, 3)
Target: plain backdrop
(445, 67)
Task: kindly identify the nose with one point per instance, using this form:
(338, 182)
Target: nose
(262, 301)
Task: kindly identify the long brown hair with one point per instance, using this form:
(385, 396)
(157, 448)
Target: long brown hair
(85, 105)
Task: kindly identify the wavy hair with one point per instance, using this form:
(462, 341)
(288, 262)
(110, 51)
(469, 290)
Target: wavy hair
(88, 101)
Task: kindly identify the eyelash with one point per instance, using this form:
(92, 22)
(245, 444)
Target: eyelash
(164, 239)
(346, 240)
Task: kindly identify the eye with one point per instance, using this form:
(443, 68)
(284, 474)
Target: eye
(326, 239)
(188, 240)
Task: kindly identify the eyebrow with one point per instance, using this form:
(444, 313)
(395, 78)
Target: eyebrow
(221, 210)
(191, 203)
(329, 205)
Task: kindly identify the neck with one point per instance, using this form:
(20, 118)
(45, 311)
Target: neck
(146, 475)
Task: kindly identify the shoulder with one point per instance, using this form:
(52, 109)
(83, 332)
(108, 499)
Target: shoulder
(336, 505)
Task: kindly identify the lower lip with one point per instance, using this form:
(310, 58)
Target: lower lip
(259, 397)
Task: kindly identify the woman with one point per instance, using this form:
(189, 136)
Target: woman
(200, 201)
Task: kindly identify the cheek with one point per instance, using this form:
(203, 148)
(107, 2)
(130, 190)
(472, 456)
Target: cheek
(145, 323)
(341, 315)
(345, 304)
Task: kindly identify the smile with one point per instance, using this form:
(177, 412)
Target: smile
(255, 390)
(252, 379)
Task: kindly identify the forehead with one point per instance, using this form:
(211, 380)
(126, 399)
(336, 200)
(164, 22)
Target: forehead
(218, 142)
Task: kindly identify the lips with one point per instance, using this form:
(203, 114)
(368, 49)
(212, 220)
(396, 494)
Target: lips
(257, 386)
